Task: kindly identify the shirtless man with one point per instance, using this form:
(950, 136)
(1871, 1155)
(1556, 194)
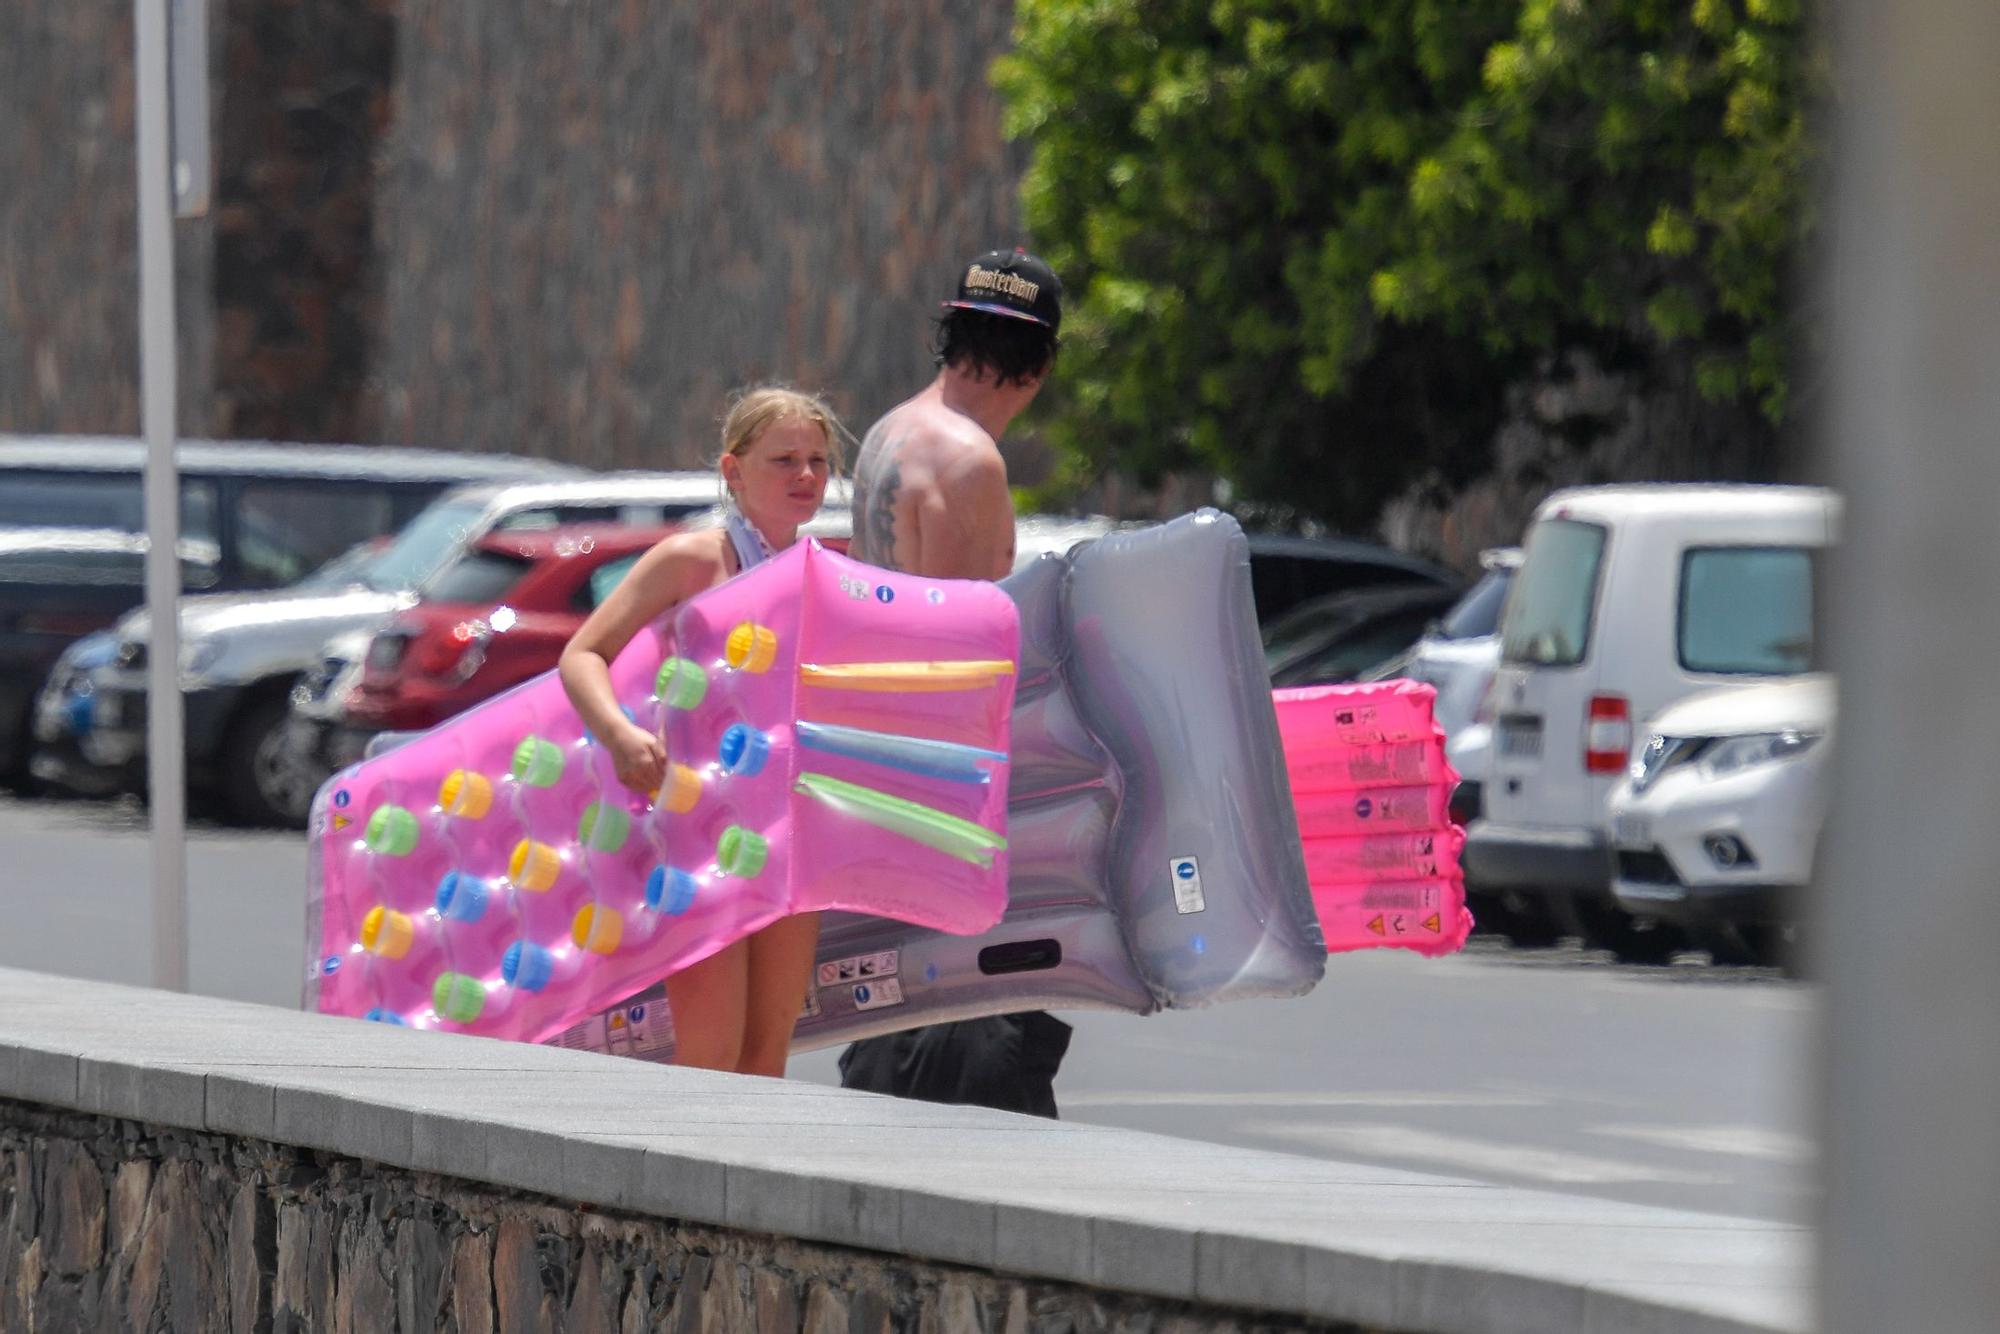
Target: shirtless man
(930, 497)
(930, 487)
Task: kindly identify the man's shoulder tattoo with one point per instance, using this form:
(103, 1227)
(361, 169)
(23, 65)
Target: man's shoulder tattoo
(878, 483)
(880, 514)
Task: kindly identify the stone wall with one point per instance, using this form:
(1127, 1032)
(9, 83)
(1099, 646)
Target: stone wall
(114, 1225)
(555, 229)
(69, 241)
(598, 218)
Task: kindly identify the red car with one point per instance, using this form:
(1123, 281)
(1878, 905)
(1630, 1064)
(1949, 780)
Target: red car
(497, 616)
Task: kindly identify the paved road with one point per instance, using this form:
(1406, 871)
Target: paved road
(1680, 1086)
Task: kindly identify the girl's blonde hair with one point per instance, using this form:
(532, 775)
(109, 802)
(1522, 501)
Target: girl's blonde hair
(758, 409)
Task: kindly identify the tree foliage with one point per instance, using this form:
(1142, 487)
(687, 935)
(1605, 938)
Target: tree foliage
(1309, 243)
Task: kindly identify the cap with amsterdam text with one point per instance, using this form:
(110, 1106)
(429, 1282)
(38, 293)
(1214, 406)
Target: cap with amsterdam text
(1014, 283)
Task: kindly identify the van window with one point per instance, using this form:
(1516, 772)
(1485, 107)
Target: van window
(114, 500)
(1548, 618)
(287, 529)
(1746, 610)
(103, 569)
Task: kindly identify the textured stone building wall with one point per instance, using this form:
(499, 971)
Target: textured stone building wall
(69, 242)
(302, 102)
(560, 229)
(113, 1225)
(596, 218)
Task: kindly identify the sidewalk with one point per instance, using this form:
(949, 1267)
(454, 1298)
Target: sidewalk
(1104, 1208)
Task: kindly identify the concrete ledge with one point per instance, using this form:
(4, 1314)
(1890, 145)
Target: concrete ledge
(1117, 1210)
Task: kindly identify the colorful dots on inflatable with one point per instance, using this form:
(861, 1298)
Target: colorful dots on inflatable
(493, 876)
(1371, 785)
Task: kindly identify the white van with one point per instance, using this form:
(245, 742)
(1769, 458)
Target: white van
(1629, 598)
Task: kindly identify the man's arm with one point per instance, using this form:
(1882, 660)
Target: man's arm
(965, 517)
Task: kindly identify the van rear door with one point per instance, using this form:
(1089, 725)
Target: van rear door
(1547, 666)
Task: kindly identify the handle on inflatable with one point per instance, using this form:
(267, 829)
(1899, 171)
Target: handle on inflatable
(972, 674)
(947, 760)
(933, 828)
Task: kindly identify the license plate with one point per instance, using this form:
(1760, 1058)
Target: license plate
(109, 711)
(1520, 738)
(1632, 831)
(386, 652)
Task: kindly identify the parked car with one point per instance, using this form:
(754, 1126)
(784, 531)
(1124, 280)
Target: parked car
(1629, 599)
(498, 615)
(64, 720)
(1457, 654)
(251, 516)
(72, 749)
(318, 731)
(1717, 820)
(1338, 637)
(242, 656)
(1287, 571)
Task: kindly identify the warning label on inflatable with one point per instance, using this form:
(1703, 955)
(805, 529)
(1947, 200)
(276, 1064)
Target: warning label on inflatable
(1184, 873)
(875, 995)
(857, 968)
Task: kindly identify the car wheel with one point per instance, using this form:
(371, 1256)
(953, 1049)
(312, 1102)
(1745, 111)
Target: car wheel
(1606, 926)
(1775, 946)
(1518, 920)
(265, 781)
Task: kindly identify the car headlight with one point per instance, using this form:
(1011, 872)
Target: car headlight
(1730, 754)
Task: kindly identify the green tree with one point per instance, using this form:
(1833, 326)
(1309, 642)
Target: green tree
(1311, 242)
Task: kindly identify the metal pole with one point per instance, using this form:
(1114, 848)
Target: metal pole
(157, 372)
(1910, 872)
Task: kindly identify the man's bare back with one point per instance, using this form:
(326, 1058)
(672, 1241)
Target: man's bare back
(930, 497)
(930, 492)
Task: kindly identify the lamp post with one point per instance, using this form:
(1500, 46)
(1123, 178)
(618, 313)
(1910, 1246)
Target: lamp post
(179, 101)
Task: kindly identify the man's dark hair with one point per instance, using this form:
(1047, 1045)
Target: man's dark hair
(1012, 351)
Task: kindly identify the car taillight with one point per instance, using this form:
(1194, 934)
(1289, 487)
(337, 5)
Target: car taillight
(1607, 734)
(59, 623)
(455, 653)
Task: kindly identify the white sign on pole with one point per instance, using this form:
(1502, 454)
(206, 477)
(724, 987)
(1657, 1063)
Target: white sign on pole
(187, 86)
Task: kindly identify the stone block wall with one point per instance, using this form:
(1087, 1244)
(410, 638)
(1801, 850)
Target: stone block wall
(69, 241)
(555, 229)
(115, 1225)
(597, 218)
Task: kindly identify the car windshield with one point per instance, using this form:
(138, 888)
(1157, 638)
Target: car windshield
(1302, 628)
(1547, 621)
(1367, 646)
(478, 576)
(1746, 610)
(350, 567)
(608, 576)
(1477, 614)
(425, 543)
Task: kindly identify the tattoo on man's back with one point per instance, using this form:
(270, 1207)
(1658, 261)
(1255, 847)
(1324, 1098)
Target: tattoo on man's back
(879, 513)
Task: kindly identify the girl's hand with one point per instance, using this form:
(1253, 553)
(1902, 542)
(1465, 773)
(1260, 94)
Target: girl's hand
(638, 757)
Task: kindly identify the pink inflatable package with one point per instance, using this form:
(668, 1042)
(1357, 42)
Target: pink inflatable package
(1372, 786)
(838, 739)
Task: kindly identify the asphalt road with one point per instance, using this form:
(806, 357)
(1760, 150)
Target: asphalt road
(1682, 1086)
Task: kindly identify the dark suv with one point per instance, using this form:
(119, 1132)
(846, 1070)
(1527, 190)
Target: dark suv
(253, 516)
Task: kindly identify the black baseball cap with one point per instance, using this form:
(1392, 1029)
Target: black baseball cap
(1012, 283)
